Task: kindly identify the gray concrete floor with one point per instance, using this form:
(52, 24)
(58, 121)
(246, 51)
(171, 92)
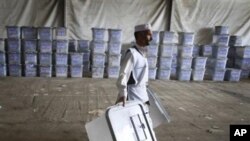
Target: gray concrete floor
(52, 109)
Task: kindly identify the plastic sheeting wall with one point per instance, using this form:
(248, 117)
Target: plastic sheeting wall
(30, 13)
(82, 15)
(200, 16)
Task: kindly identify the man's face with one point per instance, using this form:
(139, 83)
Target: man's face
(145, 37)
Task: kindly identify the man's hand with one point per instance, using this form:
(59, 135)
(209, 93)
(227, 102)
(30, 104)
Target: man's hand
(121, 99)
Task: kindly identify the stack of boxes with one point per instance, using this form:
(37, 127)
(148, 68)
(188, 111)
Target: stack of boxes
(84, 47)
(167, 63)
(238, 59)
(152, 54)
(114, 52)
(231, 73)
(29, 51)
(60, 52)
(76, 58)
(198, 63)
(45, 51)
(3, 72)
(14, 66)
(198, 68)
(242, 60)
(185, 51)
(98, 52)
(217, 63)
(206, 51)
(30, 57)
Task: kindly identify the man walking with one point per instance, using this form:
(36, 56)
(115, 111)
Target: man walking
(133, 77)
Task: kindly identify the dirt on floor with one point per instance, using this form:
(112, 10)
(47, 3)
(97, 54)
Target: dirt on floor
(53, 109)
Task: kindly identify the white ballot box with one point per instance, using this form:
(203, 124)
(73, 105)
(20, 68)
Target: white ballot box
(157, 111)
(120, 123)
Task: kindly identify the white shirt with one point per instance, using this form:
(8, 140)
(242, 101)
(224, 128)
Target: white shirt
(125, 72)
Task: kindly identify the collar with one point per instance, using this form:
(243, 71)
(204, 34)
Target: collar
(143, 50)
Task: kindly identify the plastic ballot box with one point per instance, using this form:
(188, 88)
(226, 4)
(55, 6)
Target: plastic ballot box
(157, 111)
(120, 123)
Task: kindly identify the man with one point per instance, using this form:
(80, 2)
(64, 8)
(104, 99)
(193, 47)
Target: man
(133, 78)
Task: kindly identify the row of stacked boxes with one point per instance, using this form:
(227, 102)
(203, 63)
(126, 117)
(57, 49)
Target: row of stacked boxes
(160, 55)
(217, 62)
(238, 57)
(79, 58)
(106, 58)
(195, 62)
(43, 56)
(217, 53)
(175, 60)
(184, 53)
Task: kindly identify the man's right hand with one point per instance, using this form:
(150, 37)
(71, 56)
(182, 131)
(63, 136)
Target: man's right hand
(121, 99)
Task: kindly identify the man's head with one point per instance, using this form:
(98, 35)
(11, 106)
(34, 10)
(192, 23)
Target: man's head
(143, 34)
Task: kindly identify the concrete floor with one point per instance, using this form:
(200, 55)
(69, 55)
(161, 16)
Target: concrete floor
(52, 109)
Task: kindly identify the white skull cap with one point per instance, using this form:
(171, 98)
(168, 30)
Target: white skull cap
(143, 27)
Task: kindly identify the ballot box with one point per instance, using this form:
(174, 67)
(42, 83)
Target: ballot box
(119, 123)
(157, 111)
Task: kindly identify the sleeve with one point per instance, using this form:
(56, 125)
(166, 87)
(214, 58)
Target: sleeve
(125, 71)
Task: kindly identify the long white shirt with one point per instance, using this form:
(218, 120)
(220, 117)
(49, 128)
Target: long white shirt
(128, 63)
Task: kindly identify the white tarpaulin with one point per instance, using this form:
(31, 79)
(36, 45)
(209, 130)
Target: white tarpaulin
(30, 13)
(79, 16)
(82, 15)
(200, 16)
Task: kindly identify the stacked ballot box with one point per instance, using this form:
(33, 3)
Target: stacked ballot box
(206, 50)
(44, 33)
(28, 32)
(196, 50)
(166, 54)
(59, 33)
(113, 67)
(185, 55)
(198, 68)
(232, 74)
(114, 53)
